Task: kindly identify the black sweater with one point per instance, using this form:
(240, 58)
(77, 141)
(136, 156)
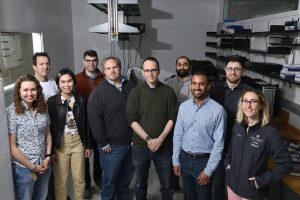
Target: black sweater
(248, 155)
(107, 113)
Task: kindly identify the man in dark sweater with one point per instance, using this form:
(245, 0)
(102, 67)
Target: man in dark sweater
(107, 117)
(151, 113)
(227, 94)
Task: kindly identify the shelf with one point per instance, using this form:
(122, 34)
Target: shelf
(249, 34)
(271, 50)
(277, 76)
(212, 44)
(289, 44)
(212, 55)
(260, 68)
(280, 43)
(211, 34)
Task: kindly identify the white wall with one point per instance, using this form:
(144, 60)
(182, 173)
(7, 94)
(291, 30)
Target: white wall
(173, 28)
(52, 18)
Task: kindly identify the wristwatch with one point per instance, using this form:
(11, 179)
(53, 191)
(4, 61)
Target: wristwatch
(147, 138)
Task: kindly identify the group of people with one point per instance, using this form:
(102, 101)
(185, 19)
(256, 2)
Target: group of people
(204, 132)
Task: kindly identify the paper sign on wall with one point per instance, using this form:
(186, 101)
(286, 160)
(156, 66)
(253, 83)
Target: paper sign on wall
(11, 50)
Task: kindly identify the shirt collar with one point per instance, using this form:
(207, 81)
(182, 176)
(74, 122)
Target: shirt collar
(72, 99)
(239, 86)
(189, 79)
(98, 74)
(25, 105)
(202, 103)
(113, 83)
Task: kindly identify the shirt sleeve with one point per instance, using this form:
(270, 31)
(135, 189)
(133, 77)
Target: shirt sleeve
(178, 137)
(279, 152)
(95, 109)
(218, 136)
(173, 106)
(132, 107)
(11, 120)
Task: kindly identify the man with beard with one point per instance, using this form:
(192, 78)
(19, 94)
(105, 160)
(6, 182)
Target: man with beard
(181, 82)
(228, 93)
(198, 139)
(180, 85)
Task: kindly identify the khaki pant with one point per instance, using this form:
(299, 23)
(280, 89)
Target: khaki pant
(70, 155)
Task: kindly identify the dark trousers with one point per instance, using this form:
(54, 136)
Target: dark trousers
(97, 170)
(219, 182)
(117, 172)
(190, 169)
(142, 157)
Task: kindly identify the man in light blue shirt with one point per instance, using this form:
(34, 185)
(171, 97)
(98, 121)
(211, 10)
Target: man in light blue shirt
(198, 139)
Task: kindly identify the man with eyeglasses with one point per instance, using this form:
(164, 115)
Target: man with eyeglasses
(228, 93)
(151, 113)
(86, 81)
(181, 82)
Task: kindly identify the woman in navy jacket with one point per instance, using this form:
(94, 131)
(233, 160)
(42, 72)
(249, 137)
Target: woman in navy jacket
(254, 141)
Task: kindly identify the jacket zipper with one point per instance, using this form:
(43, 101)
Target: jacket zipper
(241, 161)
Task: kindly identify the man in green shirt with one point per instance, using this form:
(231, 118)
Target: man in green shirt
(151, 113)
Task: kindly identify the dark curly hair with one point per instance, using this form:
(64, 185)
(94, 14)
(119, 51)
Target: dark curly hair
(39, 104)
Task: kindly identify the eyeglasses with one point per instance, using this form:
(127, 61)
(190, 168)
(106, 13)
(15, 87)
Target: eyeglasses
(150, 71)
(251, 102)
(230, 69)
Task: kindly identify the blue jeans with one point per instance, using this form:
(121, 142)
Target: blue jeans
(162, 161)
(117, 172)
(26, 188)
(190, 170)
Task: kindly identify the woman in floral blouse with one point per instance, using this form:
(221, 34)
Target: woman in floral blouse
(30, 139)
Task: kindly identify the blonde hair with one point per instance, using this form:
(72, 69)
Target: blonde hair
(263, 113)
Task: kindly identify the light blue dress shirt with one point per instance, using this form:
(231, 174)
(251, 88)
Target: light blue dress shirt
(200, 130)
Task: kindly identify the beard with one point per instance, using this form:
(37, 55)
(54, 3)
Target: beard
(233, 80)
(198, 96)
(182, 73)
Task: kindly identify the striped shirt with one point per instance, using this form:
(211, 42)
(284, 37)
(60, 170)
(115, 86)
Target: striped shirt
(200, 130)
